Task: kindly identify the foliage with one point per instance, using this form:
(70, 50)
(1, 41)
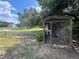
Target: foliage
(4, 24)
(59, 7)
(73, 10)
(52, 7)
(39, 36)
(29, 18)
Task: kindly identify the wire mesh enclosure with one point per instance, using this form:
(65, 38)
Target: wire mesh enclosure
(58, 30)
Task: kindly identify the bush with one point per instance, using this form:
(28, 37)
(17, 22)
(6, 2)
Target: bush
(39, 36)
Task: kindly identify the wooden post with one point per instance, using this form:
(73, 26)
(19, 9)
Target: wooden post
(70, 32)
(44, 32)
(51, 32)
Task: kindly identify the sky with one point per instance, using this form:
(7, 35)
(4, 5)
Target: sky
(22, 4)
(10, 8)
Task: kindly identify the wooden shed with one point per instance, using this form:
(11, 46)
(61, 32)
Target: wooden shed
(58, 30)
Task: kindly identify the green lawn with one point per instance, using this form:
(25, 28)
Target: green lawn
(28, 30)
(23, 30)
(10, 41)
(6, 42)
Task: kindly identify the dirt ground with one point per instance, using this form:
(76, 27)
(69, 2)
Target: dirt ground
(31, 49)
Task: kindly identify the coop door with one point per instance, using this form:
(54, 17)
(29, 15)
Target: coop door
(60, 34)
(47, 33)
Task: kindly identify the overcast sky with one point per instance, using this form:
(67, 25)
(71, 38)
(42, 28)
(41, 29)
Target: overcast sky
(9, 9)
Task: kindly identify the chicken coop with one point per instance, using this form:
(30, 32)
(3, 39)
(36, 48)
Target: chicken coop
(58, 30)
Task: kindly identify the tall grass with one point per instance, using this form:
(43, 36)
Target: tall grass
(3, 34)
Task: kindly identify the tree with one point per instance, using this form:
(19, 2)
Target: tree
(53, 7)
(4, 24)
(73, 10)
(56, 7)
(29, 18)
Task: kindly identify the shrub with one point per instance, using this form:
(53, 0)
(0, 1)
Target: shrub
(39, 36)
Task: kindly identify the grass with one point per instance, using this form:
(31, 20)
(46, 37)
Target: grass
(28, 30)
(6, 42)
(24, 30)
(10, 41)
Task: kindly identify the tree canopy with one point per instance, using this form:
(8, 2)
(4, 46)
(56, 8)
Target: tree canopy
(56, 7)
(29, 18)
(52, 7)
(4, 24)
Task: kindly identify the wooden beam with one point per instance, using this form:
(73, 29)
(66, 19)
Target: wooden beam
(70, 32)
(54, 21)
(44, 32)
(51, 32)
